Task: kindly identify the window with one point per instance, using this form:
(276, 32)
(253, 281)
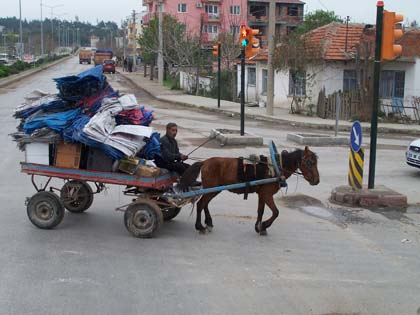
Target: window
(251, 77)
(210, 29)
(264, 81)
(235, 9)
(182, 7)
(297, 83)
(234, 29)
(292, 11)
(392, 84)
(211, 9)
(349, 80)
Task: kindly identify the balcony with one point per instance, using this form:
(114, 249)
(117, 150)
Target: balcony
(211, 17)
(257, 19)
(209, 38)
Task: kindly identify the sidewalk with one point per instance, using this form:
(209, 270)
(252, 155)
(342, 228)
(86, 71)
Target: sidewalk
(281, 115)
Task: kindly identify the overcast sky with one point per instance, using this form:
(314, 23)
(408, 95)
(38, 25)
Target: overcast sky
(91, 10)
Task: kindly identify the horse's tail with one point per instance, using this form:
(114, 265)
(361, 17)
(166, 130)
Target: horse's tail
(190, 175)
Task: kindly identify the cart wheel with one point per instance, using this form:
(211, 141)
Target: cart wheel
(77, 196)
(170, 213)
(45, 210)
(143, 218)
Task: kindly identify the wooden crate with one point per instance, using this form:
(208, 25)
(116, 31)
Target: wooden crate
(68, 155)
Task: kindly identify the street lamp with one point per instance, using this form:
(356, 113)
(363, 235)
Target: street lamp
(52, 23)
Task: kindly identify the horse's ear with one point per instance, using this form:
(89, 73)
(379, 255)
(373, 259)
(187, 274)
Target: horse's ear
(306, 149)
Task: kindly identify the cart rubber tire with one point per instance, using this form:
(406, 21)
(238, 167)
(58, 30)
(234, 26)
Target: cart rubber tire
(170, 213)
(45, 210)
(143, 218)
(83, 200)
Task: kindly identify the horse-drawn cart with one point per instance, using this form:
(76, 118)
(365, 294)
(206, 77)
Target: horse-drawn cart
(154, 198)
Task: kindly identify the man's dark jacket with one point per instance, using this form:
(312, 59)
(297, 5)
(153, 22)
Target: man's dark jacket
(169, 149)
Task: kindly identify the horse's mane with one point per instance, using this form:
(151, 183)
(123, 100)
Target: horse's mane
(291, 160)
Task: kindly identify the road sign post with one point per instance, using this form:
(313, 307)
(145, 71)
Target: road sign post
(357, 155)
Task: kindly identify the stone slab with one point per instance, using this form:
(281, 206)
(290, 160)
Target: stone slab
(233, 137)
(317, 139)
(381, 197)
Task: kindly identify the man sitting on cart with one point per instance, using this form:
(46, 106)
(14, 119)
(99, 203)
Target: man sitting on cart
(170, 157)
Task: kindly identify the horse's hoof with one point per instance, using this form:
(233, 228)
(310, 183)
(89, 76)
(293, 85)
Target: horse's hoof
(263, 232)
(204, 232)
(209, 228)
(258, 227)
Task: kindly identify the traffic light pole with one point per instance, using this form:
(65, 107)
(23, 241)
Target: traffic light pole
(219, 59)
(375, 105)
(243, 91)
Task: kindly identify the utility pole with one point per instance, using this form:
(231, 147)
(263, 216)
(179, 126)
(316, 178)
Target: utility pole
(134, 44)
(52, 23)
(20, 30)
(271, 48)
(42, 33)
(347, 33)
(160, 51)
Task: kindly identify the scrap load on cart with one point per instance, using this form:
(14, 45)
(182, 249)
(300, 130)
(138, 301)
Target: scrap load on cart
(87, 125)
(87, 132)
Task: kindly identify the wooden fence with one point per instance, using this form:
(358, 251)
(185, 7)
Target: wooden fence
(348, 103)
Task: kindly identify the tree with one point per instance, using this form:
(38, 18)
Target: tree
(179, 47)
(317, 19)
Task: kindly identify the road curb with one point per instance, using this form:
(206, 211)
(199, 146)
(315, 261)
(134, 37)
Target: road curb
(23, 75)
(309, 125)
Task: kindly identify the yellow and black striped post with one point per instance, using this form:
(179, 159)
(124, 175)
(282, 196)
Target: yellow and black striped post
(356, 168)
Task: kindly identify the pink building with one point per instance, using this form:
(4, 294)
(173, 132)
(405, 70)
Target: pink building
(216, 16)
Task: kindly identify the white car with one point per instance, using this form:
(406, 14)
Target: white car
(413, 154)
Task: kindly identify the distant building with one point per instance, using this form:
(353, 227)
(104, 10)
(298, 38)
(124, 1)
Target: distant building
(336, 45)
(215, 16)
(289, 15)
(218, 16)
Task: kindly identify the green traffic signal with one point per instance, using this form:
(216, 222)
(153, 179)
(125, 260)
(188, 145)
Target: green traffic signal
(244, 42)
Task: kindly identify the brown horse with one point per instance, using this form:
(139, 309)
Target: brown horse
(219, 171)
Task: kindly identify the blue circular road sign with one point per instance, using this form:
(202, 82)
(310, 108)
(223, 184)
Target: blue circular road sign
(356, 136)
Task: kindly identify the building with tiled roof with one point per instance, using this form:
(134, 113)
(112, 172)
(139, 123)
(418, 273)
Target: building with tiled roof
(335, 47)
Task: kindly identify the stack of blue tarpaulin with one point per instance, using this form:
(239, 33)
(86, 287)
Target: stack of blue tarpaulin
(85, 111)
(85, 84)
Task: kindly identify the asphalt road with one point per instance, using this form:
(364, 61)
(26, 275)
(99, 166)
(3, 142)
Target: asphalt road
(316, 259)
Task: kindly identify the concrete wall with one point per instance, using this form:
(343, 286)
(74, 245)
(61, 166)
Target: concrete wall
(187, 82)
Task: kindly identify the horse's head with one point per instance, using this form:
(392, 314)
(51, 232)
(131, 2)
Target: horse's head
(309, 166)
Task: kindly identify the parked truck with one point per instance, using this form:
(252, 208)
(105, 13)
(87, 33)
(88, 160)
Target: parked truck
(101, 55)
(85, 55)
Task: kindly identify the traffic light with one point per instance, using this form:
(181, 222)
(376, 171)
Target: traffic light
(248, 40)
(243, 37)
(216, 50)
(390, 34)
(254, 43)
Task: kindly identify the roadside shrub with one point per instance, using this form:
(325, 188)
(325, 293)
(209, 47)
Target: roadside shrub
(4, 71)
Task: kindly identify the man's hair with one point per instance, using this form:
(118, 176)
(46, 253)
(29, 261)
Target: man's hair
(170, 125)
